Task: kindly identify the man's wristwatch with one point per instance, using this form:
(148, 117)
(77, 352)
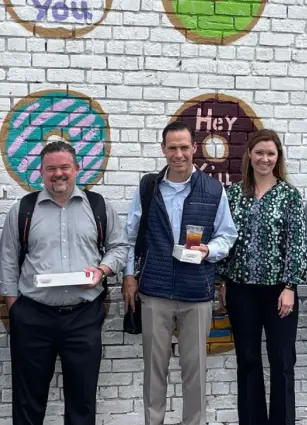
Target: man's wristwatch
(103, 275)
(290, 287)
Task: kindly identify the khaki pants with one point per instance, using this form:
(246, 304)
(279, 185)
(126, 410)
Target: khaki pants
(159, 317)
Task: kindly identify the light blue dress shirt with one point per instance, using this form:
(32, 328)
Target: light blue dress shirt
(224, 234)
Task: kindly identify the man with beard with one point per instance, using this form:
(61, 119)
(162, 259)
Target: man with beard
(64, 320)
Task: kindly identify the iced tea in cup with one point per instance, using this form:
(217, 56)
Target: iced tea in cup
(194, 234)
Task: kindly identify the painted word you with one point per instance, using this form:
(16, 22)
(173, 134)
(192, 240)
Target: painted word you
(60, 10)
(223, 178)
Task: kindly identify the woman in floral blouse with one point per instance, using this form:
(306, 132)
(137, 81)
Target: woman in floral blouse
(261, 276)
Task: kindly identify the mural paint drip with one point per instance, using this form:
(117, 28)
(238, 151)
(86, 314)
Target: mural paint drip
(55, 115)
(222, 125)
(220, 339)
(59, 19)
(214, 22)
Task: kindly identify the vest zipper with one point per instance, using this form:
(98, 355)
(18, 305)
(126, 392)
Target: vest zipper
(171, 230)
(174, 272)
(170, 226)
(181, 229)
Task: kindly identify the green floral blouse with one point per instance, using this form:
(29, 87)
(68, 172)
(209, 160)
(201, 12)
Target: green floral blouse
(271, 244)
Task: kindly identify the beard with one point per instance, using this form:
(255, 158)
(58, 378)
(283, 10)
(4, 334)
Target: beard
(59, 186)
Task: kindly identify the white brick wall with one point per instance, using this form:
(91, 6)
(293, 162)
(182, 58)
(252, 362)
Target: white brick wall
(141, 70)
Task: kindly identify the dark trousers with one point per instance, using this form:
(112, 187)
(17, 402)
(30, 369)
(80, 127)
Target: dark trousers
(38, 334)
(252, 308)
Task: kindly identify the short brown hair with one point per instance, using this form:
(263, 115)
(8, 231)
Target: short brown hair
(177, 126)
(58, 146)
(279, 171)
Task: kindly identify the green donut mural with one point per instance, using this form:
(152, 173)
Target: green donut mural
(52, 115)
(214, 21)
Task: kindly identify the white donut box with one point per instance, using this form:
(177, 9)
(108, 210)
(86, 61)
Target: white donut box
(186, 255)
(63, 279)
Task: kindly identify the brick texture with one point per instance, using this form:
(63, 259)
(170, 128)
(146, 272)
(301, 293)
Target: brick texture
(140, 70)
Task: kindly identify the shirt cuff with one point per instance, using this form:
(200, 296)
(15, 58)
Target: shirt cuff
(129, 270)
(113, 263)
(8, 290)
(294, 280)
(213, 252)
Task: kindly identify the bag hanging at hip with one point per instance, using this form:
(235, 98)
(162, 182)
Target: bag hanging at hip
(133, 320)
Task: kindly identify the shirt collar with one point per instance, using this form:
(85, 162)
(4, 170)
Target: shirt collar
(45, 195)
(165, 179)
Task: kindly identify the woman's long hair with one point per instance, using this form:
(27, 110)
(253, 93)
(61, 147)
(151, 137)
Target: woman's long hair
(247, 170)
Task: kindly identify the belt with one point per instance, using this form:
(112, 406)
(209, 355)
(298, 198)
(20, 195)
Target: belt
(68, 308)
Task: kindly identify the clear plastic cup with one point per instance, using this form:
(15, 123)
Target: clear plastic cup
(194, 235)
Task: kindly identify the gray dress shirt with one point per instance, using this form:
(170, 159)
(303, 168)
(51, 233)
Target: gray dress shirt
(61, 240)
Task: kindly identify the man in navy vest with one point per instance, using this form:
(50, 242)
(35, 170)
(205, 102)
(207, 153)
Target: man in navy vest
(175, 293)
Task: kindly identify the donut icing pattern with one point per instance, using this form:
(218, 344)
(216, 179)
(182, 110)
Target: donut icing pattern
(70, 116)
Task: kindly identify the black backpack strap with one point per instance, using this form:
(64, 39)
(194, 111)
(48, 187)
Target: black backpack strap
(147, 186)
(26, 208)
(98, 206)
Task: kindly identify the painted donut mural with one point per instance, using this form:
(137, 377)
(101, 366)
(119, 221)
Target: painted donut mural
(214, 22)
(59, 19)
(222, 125)
(51, 115)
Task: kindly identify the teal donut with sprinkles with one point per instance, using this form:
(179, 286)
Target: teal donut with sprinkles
(55, 115)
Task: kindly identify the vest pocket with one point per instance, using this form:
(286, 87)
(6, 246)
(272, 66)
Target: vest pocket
(204, 204)
(207, 283)
(143, 268)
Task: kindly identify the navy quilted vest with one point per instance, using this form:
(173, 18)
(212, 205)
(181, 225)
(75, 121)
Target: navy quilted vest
(161, 274)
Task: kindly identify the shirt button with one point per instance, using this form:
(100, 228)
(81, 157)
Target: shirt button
(63, 209)
(63, 224)
(64, 256)
(66, 290)
(64, 240)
